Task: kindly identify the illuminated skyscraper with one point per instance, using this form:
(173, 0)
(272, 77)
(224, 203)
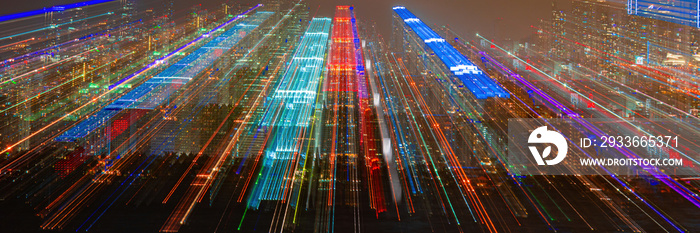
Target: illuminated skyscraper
(685, 12)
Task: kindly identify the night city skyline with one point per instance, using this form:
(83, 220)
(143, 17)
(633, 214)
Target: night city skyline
(350, 116)
(509, 16)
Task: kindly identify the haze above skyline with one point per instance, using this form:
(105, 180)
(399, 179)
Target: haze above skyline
(494, 18)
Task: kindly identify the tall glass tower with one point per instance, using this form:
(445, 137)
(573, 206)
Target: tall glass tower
(685, 12)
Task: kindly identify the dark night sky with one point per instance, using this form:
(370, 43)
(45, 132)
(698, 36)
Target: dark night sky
(508, 18)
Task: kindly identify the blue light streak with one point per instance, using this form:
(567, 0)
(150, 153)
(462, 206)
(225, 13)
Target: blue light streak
(157, 89)
(480, 85)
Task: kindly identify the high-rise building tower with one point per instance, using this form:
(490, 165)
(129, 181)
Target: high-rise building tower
(685, 12)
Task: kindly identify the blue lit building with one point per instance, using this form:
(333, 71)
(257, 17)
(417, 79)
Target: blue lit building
(419, 39)
(158, 89)
(685, 12)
